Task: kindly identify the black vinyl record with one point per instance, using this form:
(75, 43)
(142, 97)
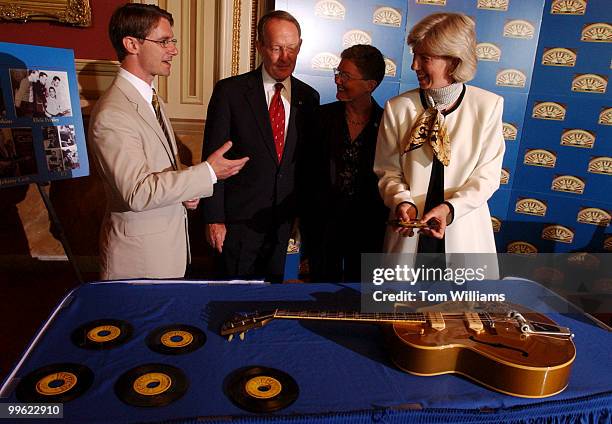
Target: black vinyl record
(175, 339)
(102, 334)
(151, 385)
(55, 383)
(261, 389)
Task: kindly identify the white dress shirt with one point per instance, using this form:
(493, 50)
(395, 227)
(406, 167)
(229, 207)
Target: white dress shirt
(269, 83)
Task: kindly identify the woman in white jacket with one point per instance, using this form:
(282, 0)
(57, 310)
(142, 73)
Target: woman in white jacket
(440, 147)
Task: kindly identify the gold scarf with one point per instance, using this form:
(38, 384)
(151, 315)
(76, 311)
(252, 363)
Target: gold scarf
(430, 126)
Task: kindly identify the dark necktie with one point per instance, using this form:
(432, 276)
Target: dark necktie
(277, 120)
(160, 119)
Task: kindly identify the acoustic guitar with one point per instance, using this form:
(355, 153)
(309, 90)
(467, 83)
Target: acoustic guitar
(519, 354)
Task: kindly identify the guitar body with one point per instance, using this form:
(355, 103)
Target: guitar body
(500, 357)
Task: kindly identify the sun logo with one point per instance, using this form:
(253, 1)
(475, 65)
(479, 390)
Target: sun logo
(605, 116)
(324, 61)
(578, 138)
(432, 2)
(549, 110)
(519, 28)
(599, 32)
(600, 165)
(505, 176)
(511, 78)
(559, 56)
(594, 216)
(390, 67)
(589, 83)
(510, 131)
(521, 248)
(568, 184)
(356, 36)
(496, 223)
(330, 9)
(540, 157)
(558, 233)
(530, 206)
(387, 16)
(488, 52)
(501, 5)
(568, 7)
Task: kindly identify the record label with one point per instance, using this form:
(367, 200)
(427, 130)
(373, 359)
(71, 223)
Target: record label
(55, 383)
(261, 389)
(151, 385)
(102, 334)
(175, 339)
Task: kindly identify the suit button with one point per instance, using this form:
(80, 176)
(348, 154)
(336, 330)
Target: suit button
(280, 176)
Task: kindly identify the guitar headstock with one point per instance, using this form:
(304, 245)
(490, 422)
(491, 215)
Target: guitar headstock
(240, 324)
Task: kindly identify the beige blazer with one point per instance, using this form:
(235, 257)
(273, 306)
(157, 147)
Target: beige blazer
(144, 231)
(473, 175)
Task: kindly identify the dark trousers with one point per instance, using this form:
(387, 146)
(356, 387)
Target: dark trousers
(339, 239)
(254, 254)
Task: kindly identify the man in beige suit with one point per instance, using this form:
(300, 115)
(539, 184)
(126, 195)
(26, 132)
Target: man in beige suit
(144, 232)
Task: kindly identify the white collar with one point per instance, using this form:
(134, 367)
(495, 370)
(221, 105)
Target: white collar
(269, 82)
(145, 90)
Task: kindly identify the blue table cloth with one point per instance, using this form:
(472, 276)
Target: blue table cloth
(342, 369)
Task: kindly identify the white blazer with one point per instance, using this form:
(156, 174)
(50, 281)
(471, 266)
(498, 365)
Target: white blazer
(473, 175)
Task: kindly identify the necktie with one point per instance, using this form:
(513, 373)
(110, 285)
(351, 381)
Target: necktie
(160, 119)
(277, 120)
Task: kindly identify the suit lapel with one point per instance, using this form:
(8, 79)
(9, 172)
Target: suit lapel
(256, 97)
(147, 115)
(292, 131)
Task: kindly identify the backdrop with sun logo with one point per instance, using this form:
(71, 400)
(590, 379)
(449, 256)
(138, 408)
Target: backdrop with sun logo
(549, 59)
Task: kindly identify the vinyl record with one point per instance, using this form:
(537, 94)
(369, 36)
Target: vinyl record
(55, 383)
(261, 389)
(102, 334)
(175, 339)
(151, 385)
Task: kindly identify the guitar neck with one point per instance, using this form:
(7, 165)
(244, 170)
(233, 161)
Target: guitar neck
(382, 317)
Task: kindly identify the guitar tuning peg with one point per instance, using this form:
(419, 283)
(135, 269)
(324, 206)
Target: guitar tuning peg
(242, 336)
(230, 337)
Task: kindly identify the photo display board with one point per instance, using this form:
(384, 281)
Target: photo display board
(41, 128)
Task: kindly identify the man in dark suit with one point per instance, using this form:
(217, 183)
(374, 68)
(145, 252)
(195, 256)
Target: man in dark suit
(267, 114)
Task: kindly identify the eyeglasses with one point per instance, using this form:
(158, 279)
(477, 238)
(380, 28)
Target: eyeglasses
(164, 43)
(345, 76)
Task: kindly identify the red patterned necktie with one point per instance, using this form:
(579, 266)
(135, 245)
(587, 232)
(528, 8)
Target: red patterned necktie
(277, 120)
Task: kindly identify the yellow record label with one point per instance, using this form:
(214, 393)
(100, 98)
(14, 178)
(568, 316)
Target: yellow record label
(263, 387)
(176, 338)
(56, 383)
(152, 383)
(103, 333)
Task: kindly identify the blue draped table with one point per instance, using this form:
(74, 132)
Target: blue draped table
(342, 369)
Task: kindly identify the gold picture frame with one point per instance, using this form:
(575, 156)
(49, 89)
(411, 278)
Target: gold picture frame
(71, 12)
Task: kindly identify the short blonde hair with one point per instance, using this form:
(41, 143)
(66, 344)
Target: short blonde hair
(451, 35)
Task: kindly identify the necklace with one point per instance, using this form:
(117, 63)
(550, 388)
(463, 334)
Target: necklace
(353, 121)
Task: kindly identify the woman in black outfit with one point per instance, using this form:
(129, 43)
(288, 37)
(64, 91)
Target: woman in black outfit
(344, 214)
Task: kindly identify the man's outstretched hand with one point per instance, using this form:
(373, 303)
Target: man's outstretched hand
(225, 168)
